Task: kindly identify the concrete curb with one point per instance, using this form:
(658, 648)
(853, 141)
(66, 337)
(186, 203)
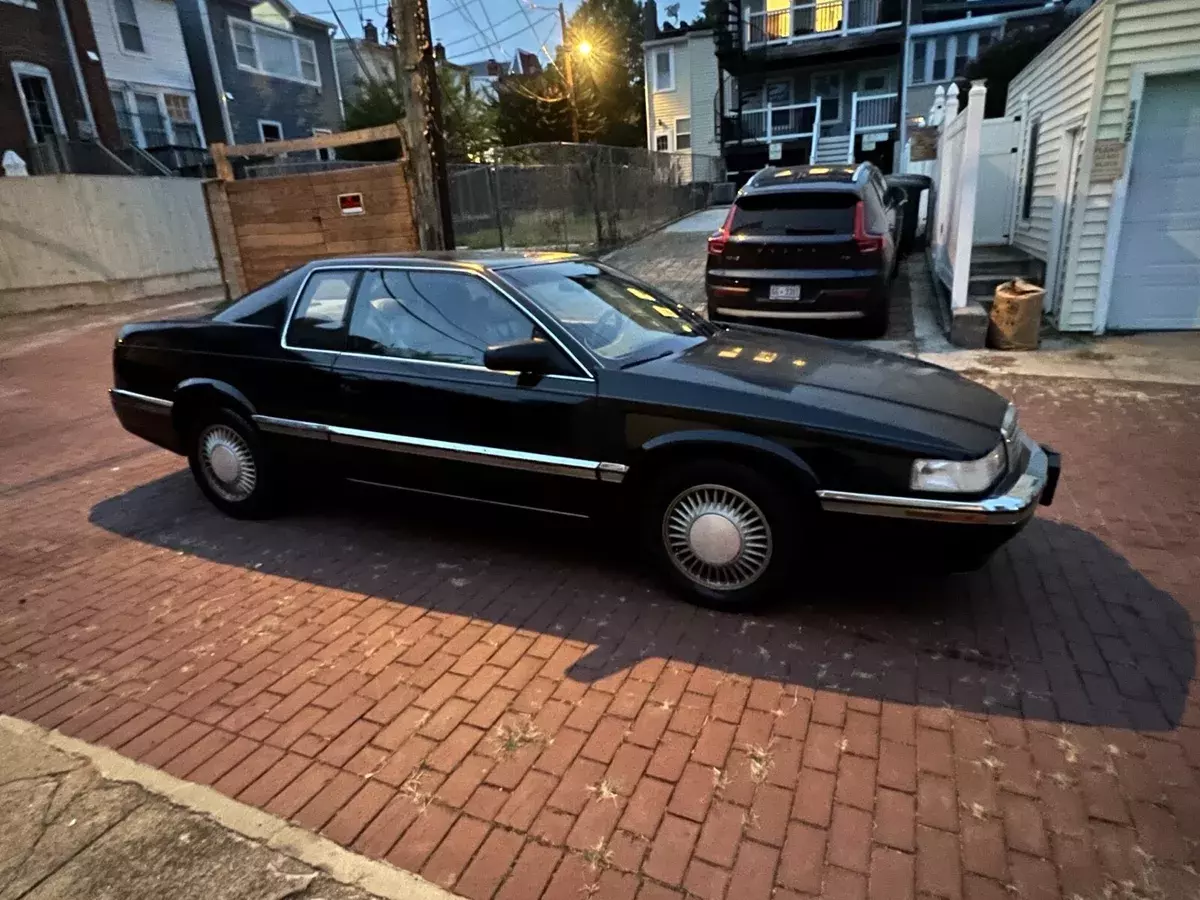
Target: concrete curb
(342, 865)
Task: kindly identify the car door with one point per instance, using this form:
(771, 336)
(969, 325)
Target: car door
(293, 388)
(419, 409)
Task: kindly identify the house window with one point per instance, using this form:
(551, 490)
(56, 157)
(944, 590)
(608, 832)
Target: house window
(269, 131)
(683, 133)
(151, 119)
(127, 26)
(269, 51)
(243, 45)
(43, 115)
(662, 142)
(325, 154)
(962, 52)
(1030, 168)
(664, 69)
(920, 56)
(179, 111)
(939, 59)
(828, 86)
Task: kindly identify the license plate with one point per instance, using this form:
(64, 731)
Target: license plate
(784, 292)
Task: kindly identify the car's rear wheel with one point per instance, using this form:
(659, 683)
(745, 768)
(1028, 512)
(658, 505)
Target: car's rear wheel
(722, 533)
(877, 319)
(231, 466)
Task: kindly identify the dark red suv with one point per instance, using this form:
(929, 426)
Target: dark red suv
(806, 243)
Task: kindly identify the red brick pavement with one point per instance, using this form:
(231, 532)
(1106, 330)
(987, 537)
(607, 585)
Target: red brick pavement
(509, 711)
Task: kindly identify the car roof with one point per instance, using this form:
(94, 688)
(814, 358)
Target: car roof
(451, 259)
(807, 178)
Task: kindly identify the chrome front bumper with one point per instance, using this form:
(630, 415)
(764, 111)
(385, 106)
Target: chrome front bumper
(1013, 507)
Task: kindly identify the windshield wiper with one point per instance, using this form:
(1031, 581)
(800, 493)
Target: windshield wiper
(638, 362)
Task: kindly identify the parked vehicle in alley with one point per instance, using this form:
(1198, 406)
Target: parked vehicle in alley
(804, 244)
(556, 383)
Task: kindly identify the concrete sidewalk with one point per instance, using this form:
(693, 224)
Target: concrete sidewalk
(78, 821)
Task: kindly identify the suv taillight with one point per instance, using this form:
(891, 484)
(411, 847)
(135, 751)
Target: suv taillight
(867, 242)
(716, 240)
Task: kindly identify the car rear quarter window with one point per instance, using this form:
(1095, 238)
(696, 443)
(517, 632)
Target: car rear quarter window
(320, 317)
(794, 214)
(266, 305)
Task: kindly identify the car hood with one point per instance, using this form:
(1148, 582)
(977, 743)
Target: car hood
(780, 363)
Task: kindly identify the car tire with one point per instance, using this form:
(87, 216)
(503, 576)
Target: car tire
(878, 317)
(703, 512)
(231, 465)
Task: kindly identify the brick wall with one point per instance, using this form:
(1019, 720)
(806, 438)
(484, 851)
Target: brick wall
(34, 35)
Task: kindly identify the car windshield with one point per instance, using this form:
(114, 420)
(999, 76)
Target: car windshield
(616, 318)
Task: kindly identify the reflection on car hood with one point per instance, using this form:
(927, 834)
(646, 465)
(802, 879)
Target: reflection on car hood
(774, 362)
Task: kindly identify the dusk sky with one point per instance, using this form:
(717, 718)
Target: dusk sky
(463, 25)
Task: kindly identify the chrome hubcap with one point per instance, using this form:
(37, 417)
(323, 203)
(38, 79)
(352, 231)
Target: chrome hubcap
(717, 537)
(227, 463)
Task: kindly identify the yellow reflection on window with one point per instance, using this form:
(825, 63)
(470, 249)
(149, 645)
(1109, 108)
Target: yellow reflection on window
(666, 312)
(783, 173)
(731, 352)
(819, 170)
(799, 363)
(640, 294)
(765, 356)
(687, 328)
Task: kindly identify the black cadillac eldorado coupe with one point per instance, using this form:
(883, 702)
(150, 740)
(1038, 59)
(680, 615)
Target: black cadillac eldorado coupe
(553, 382)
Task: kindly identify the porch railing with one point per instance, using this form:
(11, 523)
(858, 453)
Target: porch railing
(814, 20)
(783, 123)
(874, 112)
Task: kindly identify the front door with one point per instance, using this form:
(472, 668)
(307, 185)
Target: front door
(419, 410)
(779, 93)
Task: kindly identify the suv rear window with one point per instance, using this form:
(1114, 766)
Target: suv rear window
(799, 213)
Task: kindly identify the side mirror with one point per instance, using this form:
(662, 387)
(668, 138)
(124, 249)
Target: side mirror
(529, 357)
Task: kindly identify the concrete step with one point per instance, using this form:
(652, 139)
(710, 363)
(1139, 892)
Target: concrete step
(1004, 261)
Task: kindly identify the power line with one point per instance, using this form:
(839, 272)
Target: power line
(506, 37)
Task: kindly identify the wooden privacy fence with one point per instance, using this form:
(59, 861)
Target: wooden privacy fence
(264, 226)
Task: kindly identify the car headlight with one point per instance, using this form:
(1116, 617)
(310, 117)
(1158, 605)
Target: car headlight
(969, 477)
(1009, 427)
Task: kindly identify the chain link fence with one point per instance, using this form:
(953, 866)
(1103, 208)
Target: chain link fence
(582, 197)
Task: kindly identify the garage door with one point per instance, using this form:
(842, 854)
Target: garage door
(1156, 281)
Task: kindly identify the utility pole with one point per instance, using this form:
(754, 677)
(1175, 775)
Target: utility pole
(570, 74)
(424, 144)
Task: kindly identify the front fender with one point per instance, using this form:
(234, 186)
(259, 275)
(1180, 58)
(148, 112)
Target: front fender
(735, 443)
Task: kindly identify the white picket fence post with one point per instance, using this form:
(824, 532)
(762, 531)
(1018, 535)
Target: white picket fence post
(968, 184)
(944, 188)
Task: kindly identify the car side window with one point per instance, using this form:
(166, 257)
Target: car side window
(318, 322)
(447, 317)
(877, 222)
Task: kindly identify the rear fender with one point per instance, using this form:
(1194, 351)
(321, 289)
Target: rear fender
(200, 393)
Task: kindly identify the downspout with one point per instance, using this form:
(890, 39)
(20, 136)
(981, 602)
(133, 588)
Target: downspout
(337, 81)
(80, 84)
(222, 100)
(904, 62)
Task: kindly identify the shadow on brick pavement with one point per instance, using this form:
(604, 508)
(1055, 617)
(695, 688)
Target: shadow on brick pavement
(1057, 627)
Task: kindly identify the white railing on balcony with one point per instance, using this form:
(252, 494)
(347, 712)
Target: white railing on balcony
(813, 20)
(784, 123)
(874, 112)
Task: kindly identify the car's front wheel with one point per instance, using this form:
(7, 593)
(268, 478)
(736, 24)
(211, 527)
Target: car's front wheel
(231, 465)
(723, 533)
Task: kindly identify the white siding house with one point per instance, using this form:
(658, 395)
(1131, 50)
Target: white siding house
(681, 92)
(141, 49)
(1108, 189)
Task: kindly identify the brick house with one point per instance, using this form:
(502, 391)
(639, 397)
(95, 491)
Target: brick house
(263, 70)
(52, 86)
